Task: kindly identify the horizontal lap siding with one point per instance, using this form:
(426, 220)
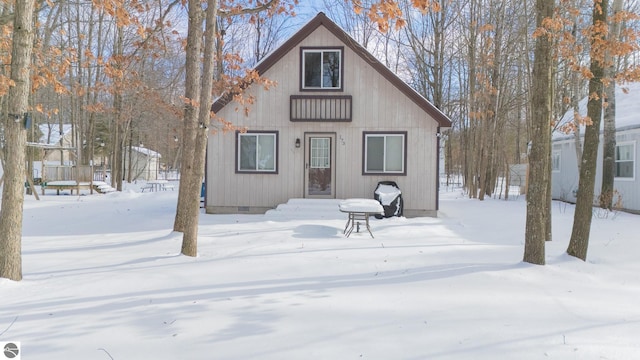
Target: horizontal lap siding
(564, 182)
(377, 106)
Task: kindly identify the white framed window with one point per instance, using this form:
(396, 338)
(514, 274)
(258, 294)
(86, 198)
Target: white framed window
(555, 161)
(321, 69)
(257, 152)
(625, 160)
(384, 153)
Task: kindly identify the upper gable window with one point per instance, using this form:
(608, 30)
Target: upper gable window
(321, 69)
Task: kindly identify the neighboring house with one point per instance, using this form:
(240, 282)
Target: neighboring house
(336, 124)
(565, 171)
(57, 144)
(145, 163)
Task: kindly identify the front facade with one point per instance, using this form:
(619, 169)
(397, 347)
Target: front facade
(336, 124)
(565, 172)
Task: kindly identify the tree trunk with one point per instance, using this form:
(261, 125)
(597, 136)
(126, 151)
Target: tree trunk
(609, 135)
(548, 200)
(117, 165)
(535, 233)
(579, 242)
(192, 95)
(575, 98)
(194, 181)
(472, 144)
(608, 148)
(15, 143)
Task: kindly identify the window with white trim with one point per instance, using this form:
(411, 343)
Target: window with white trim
(257, 152)
(555, 161)
(625, 160)
(384, 153)
(321, 69)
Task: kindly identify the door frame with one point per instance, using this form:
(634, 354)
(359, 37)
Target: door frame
(307, 153)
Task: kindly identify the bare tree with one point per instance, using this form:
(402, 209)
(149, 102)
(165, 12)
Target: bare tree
(609, 133)
(192, 95)
(15, 140)
(197, 118)
(536, 230)
(579, 242)
(358, 25)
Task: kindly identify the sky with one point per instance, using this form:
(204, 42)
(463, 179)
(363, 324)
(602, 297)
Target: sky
(104, 279)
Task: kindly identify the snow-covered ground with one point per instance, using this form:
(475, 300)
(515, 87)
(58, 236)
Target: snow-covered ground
(104, 279)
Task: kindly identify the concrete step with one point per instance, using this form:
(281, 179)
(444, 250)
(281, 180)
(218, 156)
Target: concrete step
(103, 187)
(309, 208)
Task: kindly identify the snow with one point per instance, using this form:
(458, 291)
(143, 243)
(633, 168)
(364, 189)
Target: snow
(627, 108)
(361, 205)
(387, 193)
(104, 279)
(66, 183)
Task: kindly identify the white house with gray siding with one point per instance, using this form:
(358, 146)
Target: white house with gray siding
(565, 171)
(336, 124)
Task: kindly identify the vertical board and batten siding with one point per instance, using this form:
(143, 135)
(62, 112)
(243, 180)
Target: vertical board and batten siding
(377, 106)
(565, 181)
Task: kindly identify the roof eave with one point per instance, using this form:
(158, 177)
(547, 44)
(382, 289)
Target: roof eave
(321, 19)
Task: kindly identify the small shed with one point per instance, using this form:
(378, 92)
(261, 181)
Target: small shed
(143, 163)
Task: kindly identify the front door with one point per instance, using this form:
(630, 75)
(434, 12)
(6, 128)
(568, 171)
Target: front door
(319, 166)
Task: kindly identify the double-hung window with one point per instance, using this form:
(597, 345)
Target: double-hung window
(555, 161)
(385, 153)
(257, 152)
(625, 160)
(321, 69)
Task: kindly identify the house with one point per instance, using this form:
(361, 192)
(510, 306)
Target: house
(337, 123)
(142, 163)
(57, 144)
(565, 173)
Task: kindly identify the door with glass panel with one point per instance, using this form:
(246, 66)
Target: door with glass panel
(319, 166)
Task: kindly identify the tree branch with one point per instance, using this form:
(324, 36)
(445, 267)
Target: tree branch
(245, 11)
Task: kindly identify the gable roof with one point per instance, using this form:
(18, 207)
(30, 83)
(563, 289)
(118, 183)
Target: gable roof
(626, 115)
(51, 133)
(146, 152)
(322, 20)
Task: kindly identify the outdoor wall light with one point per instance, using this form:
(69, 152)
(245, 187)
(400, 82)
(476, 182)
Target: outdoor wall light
(298, 142)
